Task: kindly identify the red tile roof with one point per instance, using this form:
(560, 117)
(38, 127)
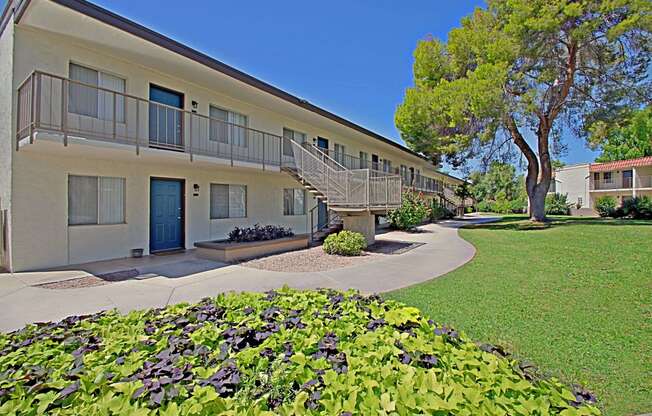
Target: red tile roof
(621, 164)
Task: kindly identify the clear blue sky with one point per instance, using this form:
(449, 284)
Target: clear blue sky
(351, 57)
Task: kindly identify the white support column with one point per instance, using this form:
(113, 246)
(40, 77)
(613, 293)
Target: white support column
(634, 182)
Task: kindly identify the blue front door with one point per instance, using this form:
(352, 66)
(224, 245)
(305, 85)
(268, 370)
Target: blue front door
(166, 215)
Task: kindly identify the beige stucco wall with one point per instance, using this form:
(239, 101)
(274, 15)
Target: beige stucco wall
(42, 237)
(574, 182)
(6, 119)
(52, 53)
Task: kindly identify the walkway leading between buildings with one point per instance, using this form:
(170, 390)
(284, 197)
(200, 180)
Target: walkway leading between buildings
(183, 277)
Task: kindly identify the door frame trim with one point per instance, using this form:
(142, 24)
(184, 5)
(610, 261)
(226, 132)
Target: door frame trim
(182, 181)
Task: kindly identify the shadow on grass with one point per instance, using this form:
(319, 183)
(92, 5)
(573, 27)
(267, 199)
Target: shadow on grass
(522, 223)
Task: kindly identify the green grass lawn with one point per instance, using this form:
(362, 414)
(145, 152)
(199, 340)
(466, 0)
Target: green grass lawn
(575, 298)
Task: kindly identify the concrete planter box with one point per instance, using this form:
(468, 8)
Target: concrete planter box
(226, 251)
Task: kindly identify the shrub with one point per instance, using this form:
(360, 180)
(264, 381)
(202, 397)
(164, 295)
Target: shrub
(413, 211)
(645, 207)
(557, 204)
(483, 206)
(259, 233)
(282, 352)
(639, 207)
(345, 243)
(502, 206)
(605, 205)
(439, 212)
(618, 213)
(518, 206)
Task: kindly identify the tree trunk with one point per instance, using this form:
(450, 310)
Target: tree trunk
(539, 168)
(538, 183)
(538, 204)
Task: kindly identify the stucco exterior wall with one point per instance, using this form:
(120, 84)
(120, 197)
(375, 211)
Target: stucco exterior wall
(6, 120)
(52, 53)
(574, 182)
(42, 237)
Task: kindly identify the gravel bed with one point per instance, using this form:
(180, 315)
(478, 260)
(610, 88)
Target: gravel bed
(90, 281)
(77, 283)
(314, 259)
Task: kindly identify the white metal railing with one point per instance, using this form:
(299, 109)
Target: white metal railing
(615, 183)
(415, 181)
(644, 181)
(53, 104)
(640, 181)
(353, 188)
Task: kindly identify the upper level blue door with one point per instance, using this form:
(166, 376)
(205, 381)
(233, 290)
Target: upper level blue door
(166, 215)
(166, 119)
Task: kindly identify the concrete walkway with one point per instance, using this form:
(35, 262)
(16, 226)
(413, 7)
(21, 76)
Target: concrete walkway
(177, 278)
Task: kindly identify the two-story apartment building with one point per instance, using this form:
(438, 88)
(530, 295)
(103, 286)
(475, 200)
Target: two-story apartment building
(623, 179)
(114, 137)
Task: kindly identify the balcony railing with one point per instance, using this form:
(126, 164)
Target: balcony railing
(342, 187)
(414, 181)
(641, 181)
(51, 104)
(644, 181)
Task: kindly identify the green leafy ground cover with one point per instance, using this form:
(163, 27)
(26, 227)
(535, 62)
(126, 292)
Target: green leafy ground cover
(286, 352)
(573, 295)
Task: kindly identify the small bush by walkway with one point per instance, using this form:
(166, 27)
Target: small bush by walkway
(285, 352)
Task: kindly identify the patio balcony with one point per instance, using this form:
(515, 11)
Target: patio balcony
(415, 181)
(63, 109)
(619, 182)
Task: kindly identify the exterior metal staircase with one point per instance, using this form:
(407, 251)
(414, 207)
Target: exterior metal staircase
(344, 190)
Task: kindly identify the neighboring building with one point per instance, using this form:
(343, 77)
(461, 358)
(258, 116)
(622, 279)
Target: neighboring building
(622, 179)
(573, 181)
(114, 137)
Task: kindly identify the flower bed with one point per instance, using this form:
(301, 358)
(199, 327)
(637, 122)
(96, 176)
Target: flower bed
(286, 352)
(228, 251)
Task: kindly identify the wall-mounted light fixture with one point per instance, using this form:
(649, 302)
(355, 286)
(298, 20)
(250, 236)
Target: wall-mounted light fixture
(195, 190)
(194, 104)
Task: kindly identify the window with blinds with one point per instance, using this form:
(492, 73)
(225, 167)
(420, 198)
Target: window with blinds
(294, 201)
(228, 201)
(228, 126)
(289, 134)
(96, 200)
(89, 96)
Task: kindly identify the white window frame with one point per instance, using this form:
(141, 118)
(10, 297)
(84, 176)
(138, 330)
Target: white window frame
(98, 214)
(229, 185)
(607, 177)
(230, 133)
(292, 210)
(120, 96)
(387, 166)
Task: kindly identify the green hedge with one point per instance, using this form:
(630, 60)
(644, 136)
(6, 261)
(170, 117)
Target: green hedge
(284, 352)
(557, 204)
(413, 211)
(345, 243)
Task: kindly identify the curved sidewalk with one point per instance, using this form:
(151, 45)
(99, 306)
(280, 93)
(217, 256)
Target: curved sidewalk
(21, 302)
